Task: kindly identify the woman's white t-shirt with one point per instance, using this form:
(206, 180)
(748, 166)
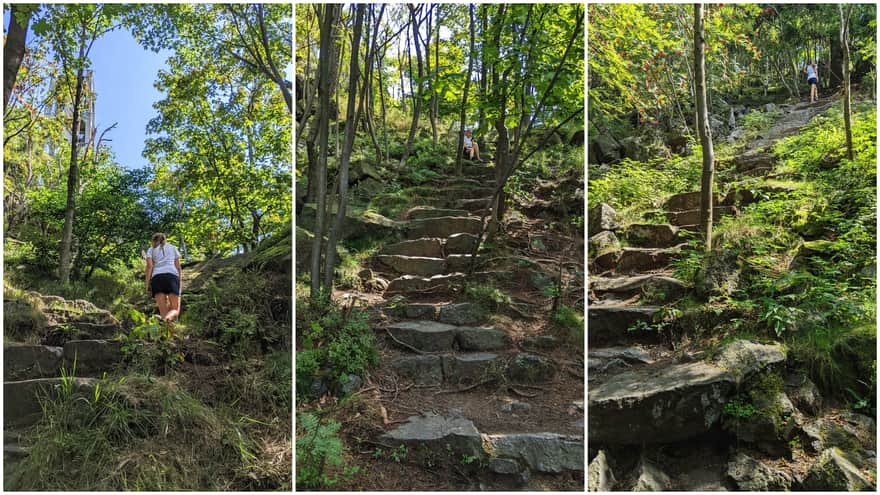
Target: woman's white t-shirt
(811, 72)
(468, 142)
(163, 259)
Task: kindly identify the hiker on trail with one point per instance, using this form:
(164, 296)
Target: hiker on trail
(471, 148)
(813, 79)
(163, 276)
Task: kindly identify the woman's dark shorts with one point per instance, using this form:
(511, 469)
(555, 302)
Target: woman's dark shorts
(813, 80)
(165, 283)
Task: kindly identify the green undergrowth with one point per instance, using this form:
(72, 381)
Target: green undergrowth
(635, 188)
(798, 265)
(135, 433)
(332, 340)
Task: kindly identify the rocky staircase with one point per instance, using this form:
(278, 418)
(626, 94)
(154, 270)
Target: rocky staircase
(76, 349)
(459, 372)
(642, 392)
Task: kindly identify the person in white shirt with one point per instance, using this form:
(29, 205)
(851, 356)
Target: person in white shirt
(813, 79)
(471, 148)
(163, 276)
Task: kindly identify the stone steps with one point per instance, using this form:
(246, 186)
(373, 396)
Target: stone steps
(21, 399)
(609, 325)
(414, 265)
(431, 336)
(661, 286)
(80, 357)
(473, 205)
(415, 285)
(634, 260)
(443, 227)
(603, 359)
(422, 212)
(452, 438)
(691, 217)
(688, 201)
(648, 235)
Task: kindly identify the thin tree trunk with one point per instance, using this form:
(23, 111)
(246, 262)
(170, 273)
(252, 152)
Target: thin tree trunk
(331, 13)
(464, 96)
(430, 85)
(847, 110)
(703, 128)
(419, 92)
(352, 116)
(66, 255)
(13, 49)
(484, 75)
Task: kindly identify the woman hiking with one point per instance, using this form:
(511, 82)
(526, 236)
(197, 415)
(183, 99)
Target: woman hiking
(813, 79)
(163, 276)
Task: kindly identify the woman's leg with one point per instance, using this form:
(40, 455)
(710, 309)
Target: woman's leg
(477, 150)
(162, 302)
(174, 307)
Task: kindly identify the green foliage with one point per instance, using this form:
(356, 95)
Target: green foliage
(335, 338)
(318, 450)
(640, 186)
(110, 438)
(486, 296)
(235, 310)
(572, 321)
(737, 408)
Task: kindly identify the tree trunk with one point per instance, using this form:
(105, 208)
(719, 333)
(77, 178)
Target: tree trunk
(331, 13)
(13, 49)
(431, 117)
(420, 90)
(464, 96)
(703, 128)
(66, 257)
(352, 117)
(484, 76)
(847, 110)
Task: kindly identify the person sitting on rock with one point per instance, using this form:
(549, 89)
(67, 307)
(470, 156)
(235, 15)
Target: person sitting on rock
(471, 148)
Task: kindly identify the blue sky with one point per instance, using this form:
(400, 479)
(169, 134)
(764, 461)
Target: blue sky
(124, 73)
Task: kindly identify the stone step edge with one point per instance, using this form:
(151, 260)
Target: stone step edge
(509, 453)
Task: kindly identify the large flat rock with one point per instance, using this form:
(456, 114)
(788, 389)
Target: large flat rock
(657, 404)
(542, 452)
(413, 265)
(26, 361)
(430, 247)
(21, 399)
(441, 435)
(443, 227)
(427, 336)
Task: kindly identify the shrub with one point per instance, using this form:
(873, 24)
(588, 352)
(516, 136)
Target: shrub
(317, 449)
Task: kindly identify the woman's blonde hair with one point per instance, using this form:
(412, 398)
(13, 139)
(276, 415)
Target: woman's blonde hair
(158, 240)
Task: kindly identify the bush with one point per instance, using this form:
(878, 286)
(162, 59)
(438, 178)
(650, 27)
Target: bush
(317, 449)
(333, 338)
